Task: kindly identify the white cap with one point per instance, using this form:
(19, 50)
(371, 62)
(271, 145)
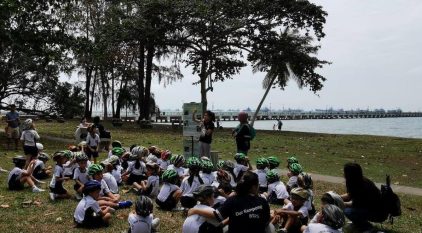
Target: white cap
(40, 146)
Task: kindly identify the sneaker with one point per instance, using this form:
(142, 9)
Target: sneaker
(125, 204)
(39, 181)
(52, 196)
(3, 170)
(78, 196)
(35, 189)
(155, 224)
(178, 208)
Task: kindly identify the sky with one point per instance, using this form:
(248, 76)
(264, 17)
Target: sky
(375, 48)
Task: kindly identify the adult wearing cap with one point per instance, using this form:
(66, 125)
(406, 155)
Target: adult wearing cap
(12, 128)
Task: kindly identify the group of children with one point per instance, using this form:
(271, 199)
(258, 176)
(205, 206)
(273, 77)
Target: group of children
(176, 183)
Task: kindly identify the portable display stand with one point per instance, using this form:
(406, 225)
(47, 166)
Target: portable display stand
(191, 130)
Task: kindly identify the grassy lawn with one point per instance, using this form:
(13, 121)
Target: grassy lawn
(318, 153)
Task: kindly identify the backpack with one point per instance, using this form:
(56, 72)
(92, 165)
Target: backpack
(390, 200)
(252, 131)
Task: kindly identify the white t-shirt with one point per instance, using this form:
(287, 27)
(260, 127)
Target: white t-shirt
(163, 164)
(29, 136)
(238, 168)
(187, 190)
(117, 173)
(320, 228)
(262, 177)
(140, 171)
(104, 188)
(93, 141)
(303, 210)
(208, 178)
(279, 188)
(139, 224)
(15, 171)
(39, 163)
(181, 171)
(82, 177)
(193, 222)
(153, 181)
(111, 182)
(86, 203)
(68, 168)
(166, 190)
(292, 181)
(58, 172)
(308, 203)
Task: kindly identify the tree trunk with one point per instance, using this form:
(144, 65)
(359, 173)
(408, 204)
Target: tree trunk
(140, 81)
(105, 94)
(262, 101)
(148, 77)
(112, 92)
(88, 76)
(93, 90)
(203, 76)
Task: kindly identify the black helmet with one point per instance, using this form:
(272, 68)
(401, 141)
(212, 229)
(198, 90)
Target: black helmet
(204, 191)
(91, 186)
(19, 160)
(43, 156)
(143, 206)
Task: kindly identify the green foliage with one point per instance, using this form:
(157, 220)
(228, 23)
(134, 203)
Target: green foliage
(66, 100)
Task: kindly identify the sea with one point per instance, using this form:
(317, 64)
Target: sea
(406, 127)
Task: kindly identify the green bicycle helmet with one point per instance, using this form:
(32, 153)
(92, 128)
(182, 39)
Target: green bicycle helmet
(291, 160)
(228, 165)
(272, 176)
(80, 157)
(239, 157)
(262, 163)
(220, 164)
(207, 166)
(295, 168)
(193, 163)
(177, 159)
(68, 154)
(43, 156)
(118, 151)
(273, 161)
(169, 176)
(94, 169)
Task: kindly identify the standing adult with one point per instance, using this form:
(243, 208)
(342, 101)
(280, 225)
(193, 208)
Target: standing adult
(12, 128)
(363, 198)
(279, 124)
(207, 128)
(243, 134)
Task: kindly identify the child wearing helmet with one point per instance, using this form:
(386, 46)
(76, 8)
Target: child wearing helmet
(71, 164)
(328, 198)
(206, 172)
(273, 162)
(242, 165)
(204, 194)
(164, 160)
(277, 192)
(331, 220)
(291, 160)
(170, 193)
(294, 214)
(18, 176)
(88, 213)
(151, 186)
(29, 139)
(191, 183)
(228, 168)
(177, 163)
(109, 178)
(136, 169)
(92, 143)
(115, 144)
(40, 170)
(304, 180)
(294, 170)
(261, 166)
(80, 175)
(57, 191)
(117, 169)
(142, 220)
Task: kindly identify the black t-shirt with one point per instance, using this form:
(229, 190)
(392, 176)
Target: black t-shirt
(243, 138)
(368, 196)
(247, 213)
(207, 138)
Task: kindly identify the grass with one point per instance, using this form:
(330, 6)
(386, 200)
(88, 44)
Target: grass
(318, 153)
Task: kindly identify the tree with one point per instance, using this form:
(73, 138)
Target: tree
(284, 56)
(66, 100)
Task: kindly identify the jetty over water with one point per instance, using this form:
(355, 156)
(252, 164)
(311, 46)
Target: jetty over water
(176, 116)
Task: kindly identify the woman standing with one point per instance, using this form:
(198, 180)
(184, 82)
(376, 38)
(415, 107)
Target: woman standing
(207, 128)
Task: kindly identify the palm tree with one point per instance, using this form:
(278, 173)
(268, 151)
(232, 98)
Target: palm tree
(286, 56)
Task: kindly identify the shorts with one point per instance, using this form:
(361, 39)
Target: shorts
(263, 189)
(91, 221)
(58, 189)
(41, 175)
(169, 204)
(15, 183)
(30, 150)
(188, 202)
(135, 178)
(13, 133)
(272, 199)
(76, 186)
(91, 154)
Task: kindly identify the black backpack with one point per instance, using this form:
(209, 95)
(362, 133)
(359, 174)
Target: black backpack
(390, 200)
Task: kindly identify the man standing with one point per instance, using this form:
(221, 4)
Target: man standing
(280, 124)
(13, 122)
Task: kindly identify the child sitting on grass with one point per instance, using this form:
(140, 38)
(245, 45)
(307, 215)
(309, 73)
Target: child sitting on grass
(191, 183)
(329, 198)
(294, 214)
(294, 170)
(88, 213)
(206, 173)
(151, 186)
(57, 191)
(273, 163)
(108, 176)
(177, 163)
(261, 166)
(277, 192)
(170, 193)
(80, 175)
(115, 145)
(40, 170)
(242, 165)
(136, 169)
(164, 160)
(117, 169)
(330, 220)
(18, 176)
(143, 221)
(304, 181)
